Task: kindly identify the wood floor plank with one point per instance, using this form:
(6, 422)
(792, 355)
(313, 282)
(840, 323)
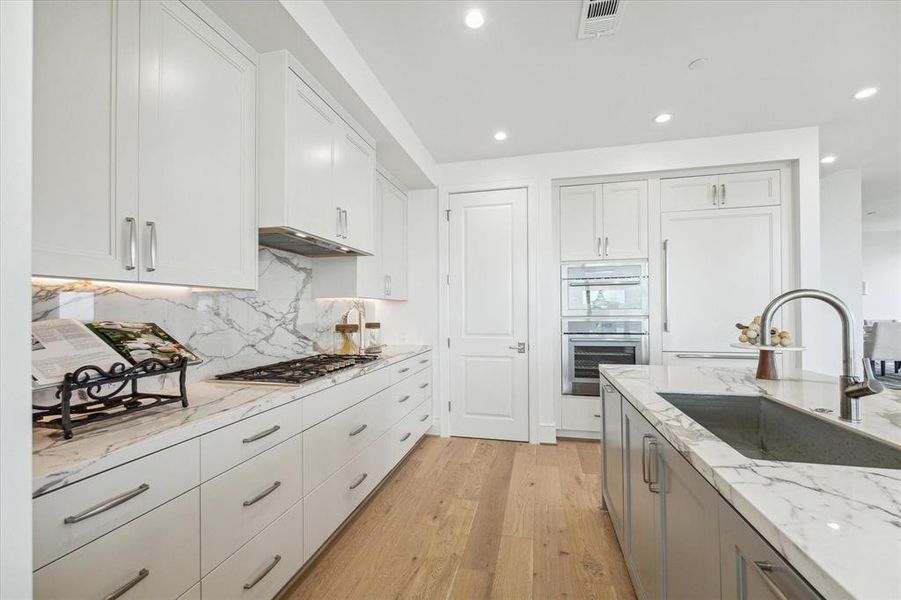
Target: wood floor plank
(475, 519)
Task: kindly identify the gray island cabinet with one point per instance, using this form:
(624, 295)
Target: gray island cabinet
(680, 538)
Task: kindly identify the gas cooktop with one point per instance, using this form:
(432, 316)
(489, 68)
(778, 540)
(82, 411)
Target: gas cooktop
(299, 370)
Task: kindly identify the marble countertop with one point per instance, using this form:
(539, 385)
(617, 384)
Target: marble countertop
(57, 462)
(838, 526)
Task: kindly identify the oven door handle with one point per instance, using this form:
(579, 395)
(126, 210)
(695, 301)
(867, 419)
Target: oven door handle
(581, 337)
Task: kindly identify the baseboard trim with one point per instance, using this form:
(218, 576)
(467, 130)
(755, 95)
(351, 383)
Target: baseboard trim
(547, 433)
(579, 435)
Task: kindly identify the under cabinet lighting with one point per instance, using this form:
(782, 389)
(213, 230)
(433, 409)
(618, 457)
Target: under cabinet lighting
(868, 92)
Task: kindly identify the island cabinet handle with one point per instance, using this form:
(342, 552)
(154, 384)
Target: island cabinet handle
(404, 370)
(645, 474)
(403, 399)
(261, 435)
(423, 418)
(423, 361)
(118, 593)
(406, 437)
(359, 480)
(764, 569)
(357, 431)
(609, 389)
(422, 386)
(107, 504)
(275, 485)
(597, 416)
(275, 560)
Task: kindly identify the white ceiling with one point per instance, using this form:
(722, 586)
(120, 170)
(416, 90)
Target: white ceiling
(772, 65)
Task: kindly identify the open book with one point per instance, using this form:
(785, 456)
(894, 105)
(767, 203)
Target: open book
(61, 346)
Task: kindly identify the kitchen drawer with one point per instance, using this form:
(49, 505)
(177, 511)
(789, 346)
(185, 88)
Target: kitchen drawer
(224, 448)
(409, 430)
(408, 393)
(241, 502)
(264, 564)
(320, 406)
(330, 444)
(98, 504)
(407, 367)
(326, 507)
(580, 413)
(159, 553)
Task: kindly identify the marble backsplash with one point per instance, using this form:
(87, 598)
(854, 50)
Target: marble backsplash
(230, 329)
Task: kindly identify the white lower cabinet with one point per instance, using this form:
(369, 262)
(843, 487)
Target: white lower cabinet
(154, 556)
(580, 413)
(410, 430)
(264, 564)
(241, 502)
(328, 505)
(680, 539)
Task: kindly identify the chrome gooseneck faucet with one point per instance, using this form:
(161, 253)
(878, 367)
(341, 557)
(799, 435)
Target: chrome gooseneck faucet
(851, 388)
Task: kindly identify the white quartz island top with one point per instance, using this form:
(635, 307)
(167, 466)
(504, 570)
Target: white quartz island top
(57, 462)
(838, 526)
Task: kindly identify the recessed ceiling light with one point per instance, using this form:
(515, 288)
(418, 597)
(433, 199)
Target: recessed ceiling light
(663, 117)
(866, 93)
(698, 63)
(500, 136)
(828, 159)
(475, 19)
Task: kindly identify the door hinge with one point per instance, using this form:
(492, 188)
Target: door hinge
(447, 215)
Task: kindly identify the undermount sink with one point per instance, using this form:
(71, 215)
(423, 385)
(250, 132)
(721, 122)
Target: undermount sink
(762, 429)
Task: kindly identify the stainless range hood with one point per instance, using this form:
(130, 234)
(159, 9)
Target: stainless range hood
(298, 242)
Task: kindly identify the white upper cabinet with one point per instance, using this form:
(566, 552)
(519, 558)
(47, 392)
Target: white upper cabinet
(115, 81)
(197, 152)
(85, 201)
(317, 166)
(729, 190)
(382, 275)
(604, 221)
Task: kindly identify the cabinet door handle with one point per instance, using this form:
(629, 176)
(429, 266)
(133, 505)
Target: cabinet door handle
(722, 194)
(423, 386)
(152, 226)
(344, 220)
(653, 468)
(403, 399)
(423, 418)
(609, 388)
(118, 593)
(606, 246)
(261, 435)
(406, 437)
(385, 286)
(645, 475)
(107, 504)
(275, 485)
(666, 286)
(714, 195)
(357, 431)
(765, 569)
(359, 480)
(404, 370)
(275, 560)
(132, 244)
(390, 285)
(597, 416)
(423, 361)
(600, 247)
(338, 224)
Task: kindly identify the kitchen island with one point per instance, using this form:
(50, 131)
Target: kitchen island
(837, 526)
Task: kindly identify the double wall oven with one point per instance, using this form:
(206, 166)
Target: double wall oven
(604, 321)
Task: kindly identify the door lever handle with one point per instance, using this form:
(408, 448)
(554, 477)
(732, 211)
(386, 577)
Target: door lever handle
(520, 347)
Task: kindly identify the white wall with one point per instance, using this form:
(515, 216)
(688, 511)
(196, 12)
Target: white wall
(15, 305)
(882, 273)
(841, 259)
(798, 145)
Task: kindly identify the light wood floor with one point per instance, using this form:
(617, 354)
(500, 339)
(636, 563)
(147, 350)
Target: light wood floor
(466, 518)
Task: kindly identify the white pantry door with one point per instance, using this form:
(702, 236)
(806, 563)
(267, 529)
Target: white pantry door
(489, 315)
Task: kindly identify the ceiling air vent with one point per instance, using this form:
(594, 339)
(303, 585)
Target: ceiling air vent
(599, 17)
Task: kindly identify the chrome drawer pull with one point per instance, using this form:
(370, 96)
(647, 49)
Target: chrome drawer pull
(107, 504)
(764, 569)
(422, 386)
(261, 435)
(596, 416)
(275, 560)
(403, 399)
(406, 437)
(359, 480)
(263, 494)
(132, 244)
(404, 370)
(357, 430)
(141, 576)
(423, 418)
(423, 361)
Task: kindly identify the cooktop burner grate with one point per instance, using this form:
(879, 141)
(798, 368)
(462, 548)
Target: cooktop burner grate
(298, 370)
